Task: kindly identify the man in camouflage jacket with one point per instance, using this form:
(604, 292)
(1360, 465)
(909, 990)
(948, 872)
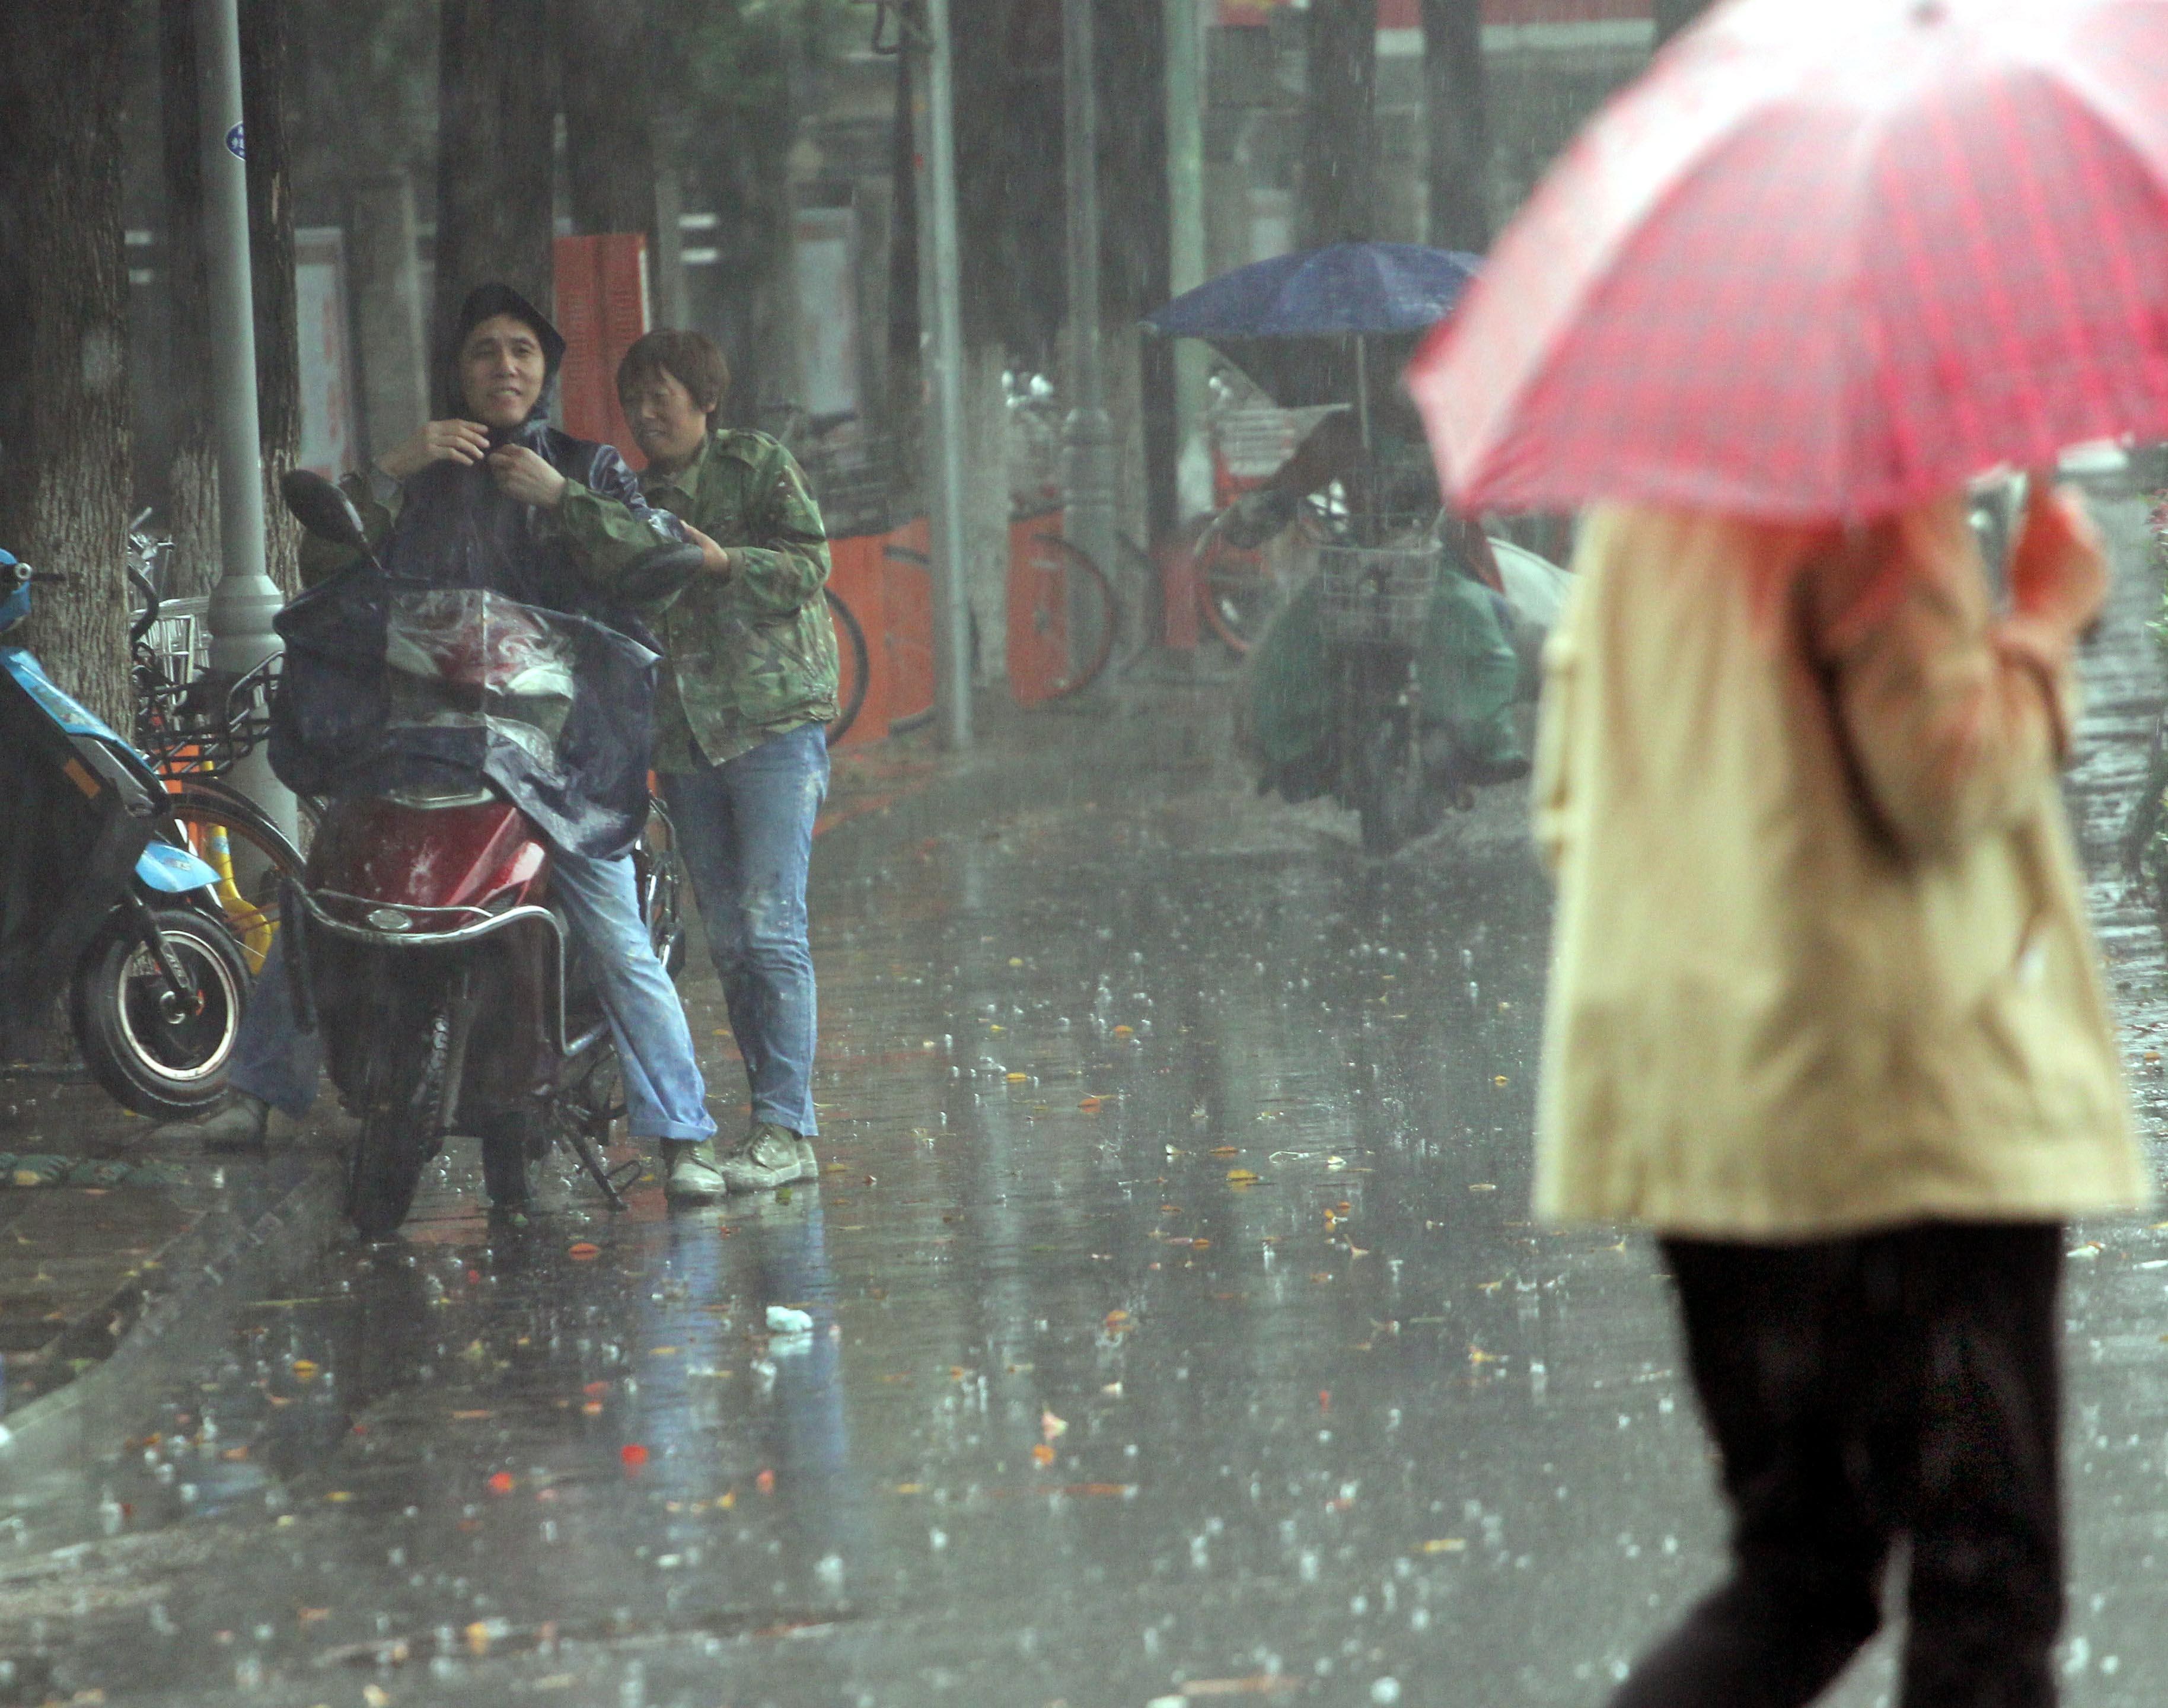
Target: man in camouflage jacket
(748, 687)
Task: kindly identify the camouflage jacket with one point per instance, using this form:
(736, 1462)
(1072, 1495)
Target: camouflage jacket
(471, 534)
(751, 654)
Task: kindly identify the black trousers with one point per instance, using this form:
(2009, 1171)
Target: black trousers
(1896, 1385)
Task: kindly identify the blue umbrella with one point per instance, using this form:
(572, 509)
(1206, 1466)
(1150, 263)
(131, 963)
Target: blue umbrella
(1361, 290)
(1289, 322)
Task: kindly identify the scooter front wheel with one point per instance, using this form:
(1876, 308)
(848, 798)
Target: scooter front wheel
(402, 1097)
(156, 1053)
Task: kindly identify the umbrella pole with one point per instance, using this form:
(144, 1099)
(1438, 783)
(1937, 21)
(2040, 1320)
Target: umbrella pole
(1362, 393)
(1365, 495)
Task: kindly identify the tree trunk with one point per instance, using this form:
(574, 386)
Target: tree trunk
(609, 144)
(265, 82)
(386, 276)
(1674, 15)
(64, 419)
(1339, 125)
(1457, 125)
(494, 209)
(192, 484)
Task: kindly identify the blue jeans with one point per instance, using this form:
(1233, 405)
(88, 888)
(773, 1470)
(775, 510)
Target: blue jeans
(745, 830)
(665, 1097)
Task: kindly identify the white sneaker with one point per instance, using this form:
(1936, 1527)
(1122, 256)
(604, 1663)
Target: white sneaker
(690, 1174)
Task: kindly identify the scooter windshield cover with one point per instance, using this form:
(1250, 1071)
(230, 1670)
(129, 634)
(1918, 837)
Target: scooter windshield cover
(393, 684)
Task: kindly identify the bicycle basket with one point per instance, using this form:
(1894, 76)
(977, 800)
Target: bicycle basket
(1380, 595)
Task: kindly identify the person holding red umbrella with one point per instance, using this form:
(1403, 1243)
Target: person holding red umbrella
(1826, 1013)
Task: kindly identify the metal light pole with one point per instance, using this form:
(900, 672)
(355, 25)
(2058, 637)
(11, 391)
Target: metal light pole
(246, 599)
(1087, 473)
(941, 356)
(1185, 201)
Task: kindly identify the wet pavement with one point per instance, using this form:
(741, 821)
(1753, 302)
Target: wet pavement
(105, 1236)
(1175, 1330)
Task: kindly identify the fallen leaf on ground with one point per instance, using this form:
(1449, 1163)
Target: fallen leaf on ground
(634, 1455)
(1050, 1426)
(1043, 1454)
(584, 1252)
(1445, 1545)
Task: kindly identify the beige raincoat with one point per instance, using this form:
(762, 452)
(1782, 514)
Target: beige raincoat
(1821, 963)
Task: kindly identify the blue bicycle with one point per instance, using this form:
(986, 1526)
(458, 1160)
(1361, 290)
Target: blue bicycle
(102, 904)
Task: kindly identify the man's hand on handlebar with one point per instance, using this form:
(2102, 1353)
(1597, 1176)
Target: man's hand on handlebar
(440, 441)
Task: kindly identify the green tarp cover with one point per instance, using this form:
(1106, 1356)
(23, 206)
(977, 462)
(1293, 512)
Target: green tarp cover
(1466, 667)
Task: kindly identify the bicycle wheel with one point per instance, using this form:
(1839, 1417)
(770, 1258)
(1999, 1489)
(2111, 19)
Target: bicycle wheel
(857, 663)
(1065, 569)
(248, 851)
(1238, 591)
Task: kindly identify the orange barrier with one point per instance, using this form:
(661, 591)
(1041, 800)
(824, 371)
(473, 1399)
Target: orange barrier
(907, 630)
(1039, 610)
(602, 308)
(858, 572)
(883, 578)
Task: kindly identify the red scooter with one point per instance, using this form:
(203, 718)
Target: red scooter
(451, 990)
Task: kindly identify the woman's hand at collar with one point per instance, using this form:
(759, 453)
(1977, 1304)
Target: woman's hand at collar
(465, 442)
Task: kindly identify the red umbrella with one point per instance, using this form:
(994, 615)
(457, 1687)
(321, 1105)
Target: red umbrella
(1825, 260)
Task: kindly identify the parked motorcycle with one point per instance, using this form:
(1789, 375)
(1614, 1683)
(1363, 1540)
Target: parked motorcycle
(103, 899)
(450, 990)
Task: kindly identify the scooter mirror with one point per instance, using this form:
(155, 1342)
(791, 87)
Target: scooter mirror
(659, 572)
(321, 508)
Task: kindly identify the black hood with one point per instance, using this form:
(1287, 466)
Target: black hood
(485, 302)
